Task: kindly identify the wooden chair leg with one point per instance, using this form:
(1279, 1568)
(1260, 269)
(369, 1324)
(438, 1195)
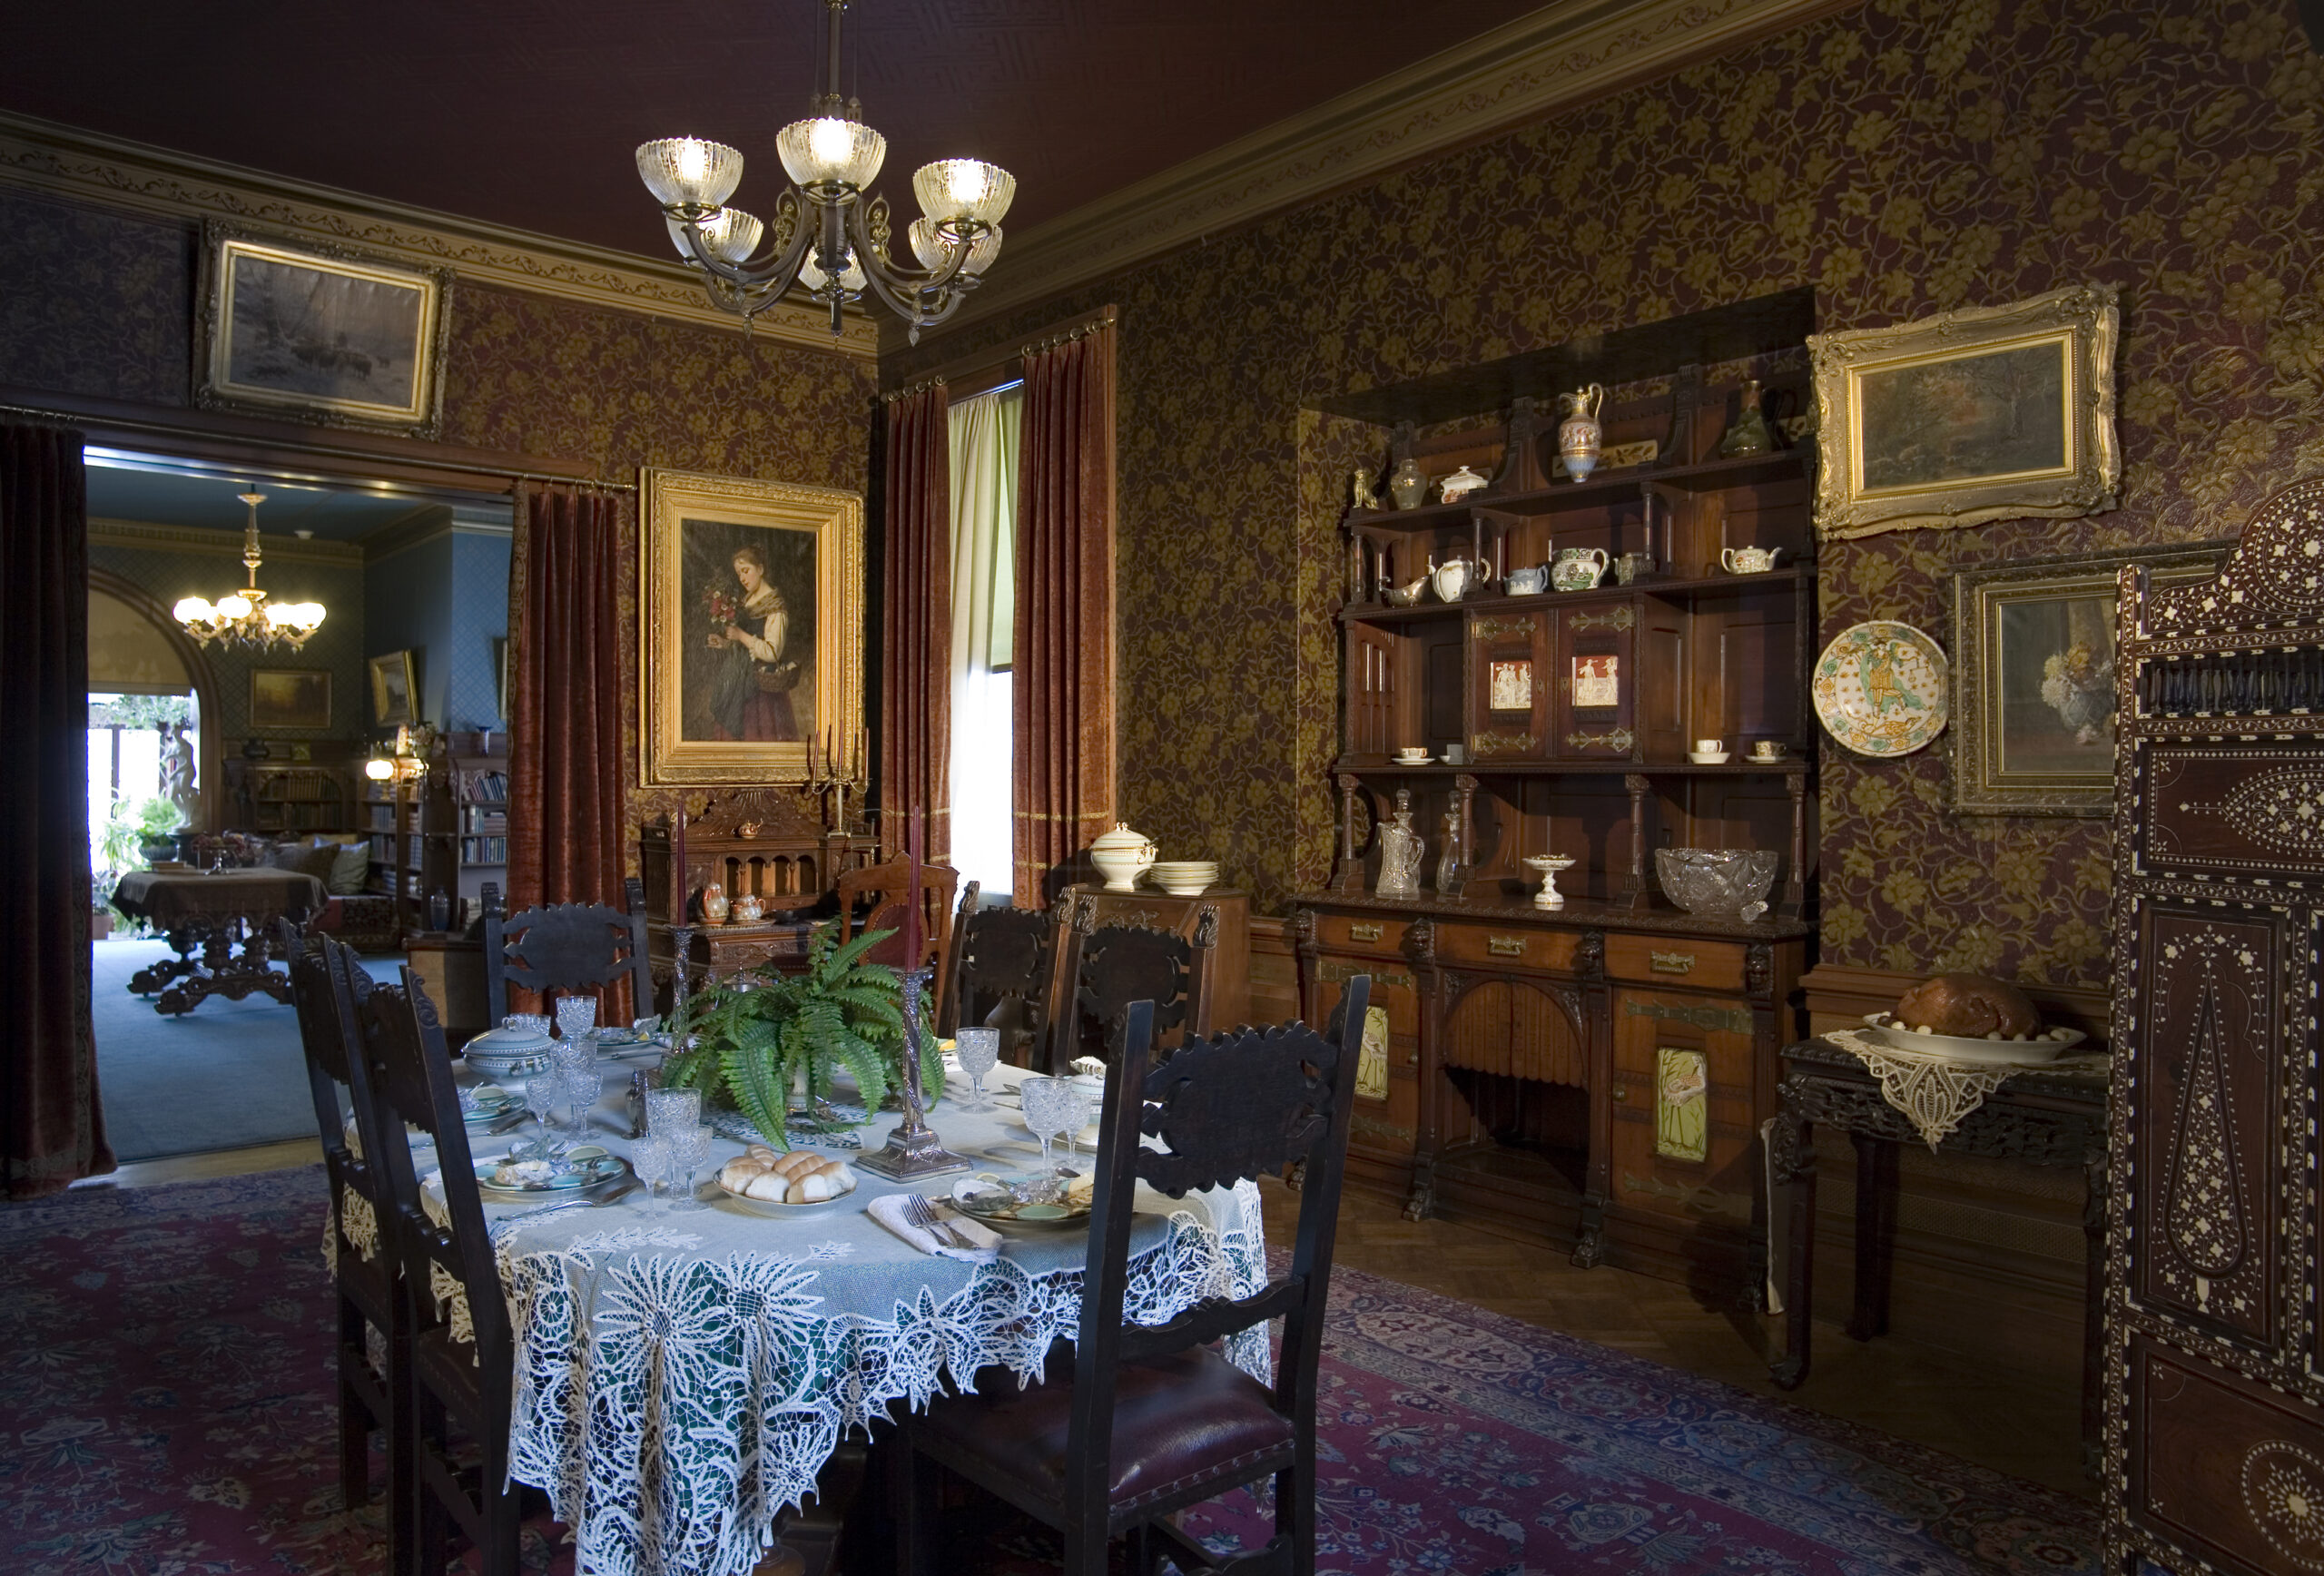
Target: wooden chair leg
(501, 1502)
(355, 1419)
(912, 1499)
(431, 1531)
(1085, 1546)
(1295, 1509)
(403, 1449)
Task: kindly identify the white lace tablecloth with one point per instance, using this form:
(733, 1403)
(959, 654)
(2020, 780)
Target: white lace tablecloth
(682, 1376)
(1936, 1093)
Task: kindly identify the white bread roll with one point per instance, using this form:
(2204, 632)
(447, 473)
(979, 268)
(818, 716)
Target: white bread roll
(761, 1152)
(815, 1188)
(767, 1186)
(798, 1162)
(736, 1173)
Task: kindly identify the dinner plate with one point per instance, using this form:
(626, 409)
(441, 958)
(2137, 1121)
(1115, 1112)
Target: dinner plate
(490, 1108)
(2055, 1043)
(1025, 1217)
(593, 1170)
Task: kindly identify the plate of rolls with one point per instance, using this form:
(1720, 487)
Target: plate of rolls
(771, 1183)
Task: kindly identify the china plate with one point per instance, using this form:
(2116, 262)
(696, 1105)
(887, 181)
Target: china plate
(2055, 1043)
(768, 1206)
(601, 1168)
(1880, 688)
(491, 1107)
(1069, 1216)
(1709, 757)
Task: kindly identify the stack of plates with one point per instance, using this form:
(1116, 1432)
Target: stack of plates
(1185, 877)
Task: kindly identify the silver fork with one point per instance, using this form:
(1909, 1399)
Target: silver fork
(624, 1191)
(922, 1214)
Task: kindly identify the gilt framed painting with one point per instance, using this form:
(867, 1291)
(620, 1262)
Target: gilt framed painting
(395, 690)
(2033, 695)
(318, 332)
(1987, 413)
(750, 627)
(291, 697)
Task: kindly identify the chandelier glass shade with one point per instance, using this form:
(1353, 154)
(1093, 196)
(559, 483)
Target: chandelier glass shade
(827, 238)
(245, 618)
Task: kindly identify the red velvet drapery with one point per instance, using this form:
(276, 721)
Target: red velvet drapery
(916, 632)
(52, 1128)
(566, 749)
(1062, 693)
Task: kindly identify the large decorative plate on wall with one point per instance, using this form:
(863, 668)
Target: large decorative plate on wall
(1880, 688)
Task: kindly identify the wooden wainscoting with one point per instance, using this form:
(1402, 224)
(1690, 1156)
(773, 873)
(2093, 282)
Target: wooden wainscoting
(1275, 971)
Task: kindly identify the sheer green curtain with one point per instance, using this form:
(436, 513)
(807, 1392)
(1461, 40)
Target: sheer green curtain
(983, 433)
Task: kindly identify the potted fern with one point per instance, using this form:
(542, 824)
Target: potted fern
(760, 1043)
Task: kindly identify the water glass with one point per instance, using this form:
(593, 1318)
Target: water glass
(669, 1110)
(544, 1096)
(649, 1157)
(584, 1087)
(577, 1017)
(979, 1053)
(1050, 1107)
(689, 1148)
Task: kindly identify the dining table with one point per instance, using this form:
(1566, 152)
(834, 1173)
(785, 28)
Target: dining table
(683, 1375)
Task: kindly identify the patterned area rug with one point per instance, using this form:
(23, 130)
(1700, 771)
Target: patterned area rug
(169, 1410)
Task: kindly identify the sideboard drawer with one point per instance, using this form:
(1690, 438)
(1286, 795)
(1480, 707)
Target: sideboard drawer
(1675, 960)
(1357, 933)
(1509, 946)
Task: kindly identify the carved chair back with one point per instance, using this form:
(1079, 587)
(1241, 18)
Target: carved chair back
(997, 974)
(1102, 968)
(570, 949)
(882, 893)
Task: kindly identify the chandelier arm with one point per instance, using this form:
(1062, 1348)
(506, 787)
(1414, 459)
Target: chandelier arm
(879, 266)
(777, 272)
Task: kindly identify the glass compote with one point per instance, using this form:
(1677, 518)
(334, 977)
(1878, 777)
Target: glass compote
(980, 1052)
(689, 1148)
(667, 1110)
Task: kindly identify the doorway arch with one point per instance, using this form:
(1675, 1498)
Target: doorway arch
(210, 761)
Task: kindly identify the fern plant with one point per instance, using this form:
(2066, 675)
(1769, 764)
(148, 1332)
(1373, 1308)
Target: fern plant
(754, 1039)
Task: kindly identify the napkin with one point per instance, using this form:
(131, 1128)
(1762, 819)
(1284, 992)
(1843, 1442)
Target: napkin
(888, 1210)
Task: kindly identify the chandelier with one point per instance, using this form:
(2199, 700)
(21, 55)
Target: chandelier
(827, 238)
(245, 618)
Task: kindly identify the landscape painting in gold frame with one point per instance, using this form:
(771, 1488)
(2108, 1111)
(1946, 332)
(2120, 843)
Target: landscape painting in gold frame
(750, 627)
(1987, 413)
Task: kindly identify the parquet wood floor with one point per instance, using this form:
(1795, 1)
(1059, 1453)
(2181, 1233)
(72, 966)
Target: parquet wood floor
(2023, 1421)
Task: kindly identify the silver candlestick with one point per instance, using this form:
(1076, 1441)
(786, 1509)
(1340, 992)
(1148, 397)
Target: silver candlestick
(913, 1150)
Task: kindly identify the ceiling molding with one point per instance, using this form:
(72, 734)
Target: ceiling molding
(430, 524)
(219, 544)
(1551, 60)
(65, 160)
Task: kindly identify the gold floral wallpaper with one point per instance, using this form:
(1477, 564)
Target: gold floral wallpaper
(1903, 157)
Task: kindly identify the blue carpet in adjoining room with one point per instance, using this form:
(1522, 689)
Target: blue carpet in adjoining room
(225, 1075)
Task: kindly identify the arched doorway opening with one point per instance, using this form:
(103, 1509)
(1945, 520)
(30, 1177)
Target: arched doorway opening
(137, 648)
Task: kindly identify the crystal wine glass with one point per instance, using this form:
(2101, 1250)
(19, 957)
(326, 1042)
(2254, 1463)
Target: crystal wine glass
(577, 1017)
(650, 1158)
(979, 1053)
(1047, 1110)
(667, 1110)
(689, 1148)
(584, 1087)
(544, 1096)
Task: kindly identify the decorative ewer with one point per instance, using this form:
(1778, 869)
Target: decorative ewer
(1549, 864)
(1581, 437)
(714, 903)
(1122, 856)
(1452, 578)
(1578, 568)
(1750, 433)
(1408, 485)
(1360, 496)
(1459, 485)
(1400, 852)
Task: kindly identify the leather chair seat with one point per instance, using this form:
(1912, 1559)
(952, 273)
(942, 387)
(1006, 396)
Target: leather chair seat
(1177, 1420)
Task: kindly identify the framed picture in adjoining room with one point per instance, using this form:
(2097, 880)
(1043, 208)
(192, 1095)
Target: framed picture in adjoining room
(318, 332)
(2033, 679)
(500, 677)
(1986, 413)
(395, 689)
(750, 627)
(291, 697)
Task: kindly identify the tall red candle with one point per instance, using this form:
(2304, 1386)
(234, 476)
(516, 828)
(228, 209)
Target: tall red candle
(678, 855)
(912, 903)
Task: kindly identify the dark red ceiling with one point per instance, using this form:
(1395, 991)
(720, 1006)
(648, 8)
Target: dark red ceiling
(526, 112)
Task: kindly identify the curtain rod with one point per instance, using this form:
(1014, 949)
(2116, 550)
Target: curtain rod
(1049, 339)
(423, 462)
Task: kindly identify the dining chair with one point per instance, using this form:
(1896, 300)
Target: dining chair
(463, 1353)
(1102, 968)
(884, 891)
(572, 948)
(995, 975)
(326, 982)
(1134, 1422)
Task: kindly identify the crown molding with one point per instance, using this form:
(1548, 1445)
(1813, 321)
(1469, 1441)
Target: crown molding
(65, 160)
(1551, 60)
(431, 524)
(218, 544)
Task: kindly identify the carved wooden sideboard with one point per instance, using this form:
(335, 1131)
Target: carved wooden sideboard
(2215, 1356)
(1593, 1074)
(774, 844)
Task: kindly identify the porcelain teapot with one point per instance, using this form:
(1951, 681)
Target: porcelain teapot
(1452, 578)
(1528, 581)
(1122, 856)
(1748, 561)
(1578, 568)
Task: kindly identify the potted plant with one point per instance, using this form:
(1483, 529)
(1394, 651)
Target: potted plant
(756, 1041)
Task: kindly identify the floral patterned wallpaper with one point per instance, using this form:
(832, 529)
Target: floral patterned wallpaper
(1903, 157)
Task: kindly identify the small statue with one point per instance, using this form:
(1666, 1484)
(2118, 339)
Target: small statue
(1400, 852)
(1360, 494)
(1450, 873)
(177, 771)
(1749, 433)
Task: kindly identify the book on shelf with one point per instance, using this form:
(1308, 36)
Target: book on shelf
(484, 851)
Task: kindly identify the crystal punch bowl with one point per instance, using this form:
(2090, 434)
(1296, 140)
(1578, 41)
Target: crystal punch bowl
(1718, 882)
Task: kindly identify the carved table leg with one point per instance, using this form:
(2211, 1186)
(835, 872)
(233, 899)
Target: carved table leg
(155, 977)
(1795, 1175)
(1589, 1248)
(1876, 1234)
(2093, 1343)
(1421, 1202)
(236, 961)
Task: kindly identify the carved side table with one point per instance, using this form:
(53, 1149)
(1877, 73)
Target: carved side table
(2046, 1118)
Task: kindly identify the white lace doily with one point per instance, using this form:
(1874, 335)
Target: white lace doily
(1937, 1092)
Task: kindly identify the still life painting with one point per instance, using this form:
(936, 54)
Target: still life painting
(750, 626)
(320, 333)
(2035, 680)
(1982, 414)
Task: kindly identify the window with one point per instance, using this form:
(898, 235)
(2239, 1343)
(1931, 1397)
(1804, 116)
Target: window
(983, 433)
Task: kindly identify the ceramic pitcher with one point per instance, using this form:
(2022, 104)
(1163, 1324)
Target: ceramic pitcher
(1579, 568)
(1581, 436)
(1452, 578)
